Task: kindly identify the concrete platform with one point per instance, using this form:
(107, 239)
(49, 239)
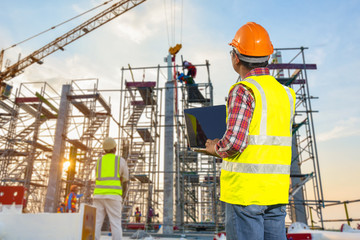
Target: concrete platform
(185, 236)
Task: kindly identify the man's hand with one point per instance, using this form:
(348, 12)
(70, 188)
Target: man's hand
(210, 147)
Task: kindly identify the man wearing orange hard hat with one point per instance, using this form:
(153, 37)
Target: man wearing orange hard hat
(256, 147)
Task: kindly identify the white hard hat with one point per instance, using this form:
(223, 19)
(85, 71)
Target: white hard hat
(109, 143)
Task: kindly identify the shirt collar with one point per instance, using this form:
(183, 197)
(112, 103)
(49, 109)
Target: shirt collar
(258, 72)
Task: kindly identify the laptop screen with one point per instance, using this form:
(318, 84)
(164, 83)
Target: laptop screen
(205, 123)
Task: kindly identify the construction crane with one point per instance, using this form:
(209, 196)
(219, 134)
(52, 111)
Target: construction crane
(59, 43)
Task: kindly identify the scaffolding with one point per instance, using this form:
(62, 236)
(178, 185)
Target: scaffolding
(306, 188)
(198, 175)
(26, 140)
(29, 145)
(42, 128)
(89, 124)
(140, 108)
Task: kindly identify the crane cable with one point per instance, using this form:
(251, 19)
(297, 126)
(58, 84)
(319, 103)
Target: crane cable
(171, 26)
(92, 9)
(174, 50)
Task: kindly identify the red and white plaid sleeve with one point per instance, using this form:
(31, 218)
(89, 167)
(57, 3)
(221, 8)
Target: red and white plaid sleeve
(241, 106)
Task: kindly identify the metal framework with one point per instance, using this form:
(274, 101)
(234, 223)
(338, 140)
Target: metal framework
(306, 188)
(30, 122)
(26, 144)
(140, 109)
(198, 175)
(34, 145)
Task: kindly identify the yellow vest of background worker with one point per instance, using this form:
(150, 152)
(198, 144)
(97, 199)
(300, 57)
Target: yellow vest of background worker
(261, 173)
(107, 175)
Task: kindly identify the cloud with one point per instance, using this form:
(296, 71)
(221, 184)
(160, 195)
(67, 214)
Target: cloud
(139, 24)
(318, 55)
(343, 128)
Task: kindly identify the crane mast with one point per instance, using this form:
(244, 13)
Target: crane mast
(59, 43)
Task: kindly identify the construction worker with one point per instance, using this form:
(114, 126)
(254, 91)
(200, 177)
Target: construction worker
(61, 208)
(71, 199)
(112, 175)
(191, 69)
(151, 214)
(188, 79)
(137, 215)
(256, 147)
(182, 78)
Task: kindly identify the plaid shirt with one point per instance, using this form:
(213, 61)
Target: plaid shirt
(241, 105)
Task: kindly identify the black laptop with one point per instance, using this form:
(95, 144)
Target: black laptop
(204, 123)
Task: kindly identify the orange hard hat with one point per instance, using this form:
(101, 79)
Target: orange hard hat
(73, 187)
(252, 40)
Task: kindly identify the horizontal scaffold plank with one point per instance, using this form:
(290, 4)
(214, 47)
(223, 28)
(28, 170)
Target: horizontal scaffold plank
(135, 103)
(96, 96)
(140, 84)
(26, 99)
(83, 96)
(145, 134)
(78, 144)
(292, 66)
(287, 80)
(143, 178)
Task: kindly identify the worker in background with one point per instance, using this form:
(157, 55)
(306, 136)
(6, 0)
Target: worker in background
(182, 78)
(61, 208)
(188, 79)
(151, 214)
(256, 147)
(137, 215)
(24, 207)
(191, 69)
(112, 175)
(71, 199)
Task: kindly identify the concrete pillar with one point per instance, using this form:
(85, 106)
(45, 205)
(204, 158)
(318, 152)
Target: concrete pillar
(298, 211)
(168, 214)
(54, 185)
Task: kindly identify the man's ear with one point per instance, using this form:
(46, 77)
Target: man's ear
(237, 60)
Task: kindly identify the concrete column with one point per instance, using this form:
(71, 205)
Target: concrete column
(54, 185)
(298, 210)
(169, 154)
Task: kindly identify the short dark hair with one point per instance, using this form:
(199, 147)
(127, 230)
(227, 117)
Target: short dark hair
(248, 64)
(253, 65)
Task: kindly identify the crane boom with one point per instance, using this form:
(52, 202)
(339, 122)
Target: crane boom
(59, 43)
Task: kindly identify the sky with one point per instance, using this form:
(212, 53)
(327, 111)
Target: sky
(141, 37)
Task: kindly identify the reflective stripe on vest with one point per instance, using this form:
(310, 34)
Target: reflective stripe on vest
(110, 187)
(291, 99)
(261, 173)
(255, 168)
(269, 140)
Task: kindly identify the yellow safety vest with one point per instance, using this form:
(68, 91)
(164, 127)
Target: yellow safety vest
(261, 173)
(107, 176)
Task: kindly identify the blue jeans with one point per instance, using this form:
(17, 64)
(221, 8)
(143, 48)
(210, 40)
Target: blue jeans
(255, 222)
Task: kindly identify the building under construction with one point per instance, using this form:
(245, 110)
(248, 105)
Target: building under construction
(42, 128)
